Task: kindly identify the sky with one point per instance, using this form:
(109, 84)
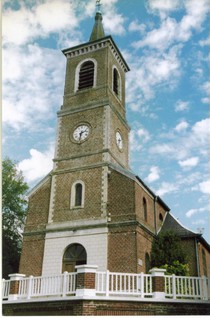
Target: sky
(166, 45)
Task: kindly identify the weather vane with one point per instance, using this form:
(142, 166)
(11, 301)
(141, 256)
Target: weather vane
(98, 5)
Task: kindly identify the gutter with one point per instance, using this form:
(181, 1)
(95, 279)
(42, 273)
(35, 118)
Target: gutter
(197, 260)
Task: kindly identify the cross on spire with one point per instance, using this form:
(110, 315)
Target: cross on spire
(98, 5)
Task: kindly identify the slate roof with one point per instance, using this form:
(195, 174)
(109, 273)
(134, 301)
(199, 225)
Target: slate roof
(170, 223)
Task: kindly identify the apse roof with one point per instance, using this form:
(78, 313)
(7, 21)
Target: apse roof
(170, 223)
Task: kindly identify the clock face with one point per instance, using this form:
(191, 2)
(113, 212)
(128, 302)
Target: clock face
(81, 133)
(119, 140)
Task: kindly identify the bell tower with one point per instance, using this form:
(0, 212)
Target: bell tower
(92, 125)
(92, 133)
(91, 209)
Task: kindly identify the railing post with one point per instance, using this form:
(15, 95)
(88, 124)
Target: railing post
(29, 289)
(107, 283)
(142, 285)
(204, 290)
(14, 286)
(158, 282)
(174, 286)
(86, 280)
(64, 283)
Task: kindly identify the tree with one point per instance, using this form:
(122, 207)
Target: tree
(167, 253)
(14, 208)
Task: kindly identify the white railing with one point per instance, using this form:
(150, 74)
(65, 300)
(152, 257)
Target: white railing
(180, 287)
(109, 284)
(43, 286)
(123, 284)
(5, 288)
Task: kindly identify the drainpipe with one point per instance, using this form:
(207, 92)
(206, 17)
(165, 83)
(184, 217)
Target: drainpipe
(197, 260)
(155, 200)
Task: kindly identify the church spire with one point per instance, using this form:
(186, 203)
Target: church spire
(98, 30)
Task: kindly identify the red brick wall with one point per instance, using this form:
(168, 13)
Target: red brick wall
(122, 255)
(189, 248)
(32, 255)
(105, 308)
(121, 203)
(92, 203)
(141, 194)
(144, 245)
(34, 235)
(201, 249)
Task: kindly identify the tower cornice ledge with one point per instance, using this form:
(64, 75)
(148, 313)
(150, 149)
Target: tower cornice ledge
(96, 45)
(76, 225)
(87, 106)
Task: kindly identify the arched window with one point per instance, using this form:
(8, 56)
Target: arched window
(116, 83)
(86, 75)
(77, 194)
(147, 263)
(161, 217)
(75, 254)
(145, 209)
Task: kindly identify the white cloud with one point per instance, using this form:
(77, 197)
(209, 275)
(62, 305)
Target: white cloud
(192, 212)
(171, 31)
(135, 26)
(182, 126)
(205, 187)
(166, 188)
(201, 131)
(149, 71)
(164, 5)
(143, 134)
(159, 38)
(181, 147)
(33, 88)
(181, 106)
(38, 165)
(23, 25)
(164, 149)
(135, 143)
(189, 163)
(205, 100)
(205, 42)
(56, 15)
(153, 175)
(113, 23)
(206, 87)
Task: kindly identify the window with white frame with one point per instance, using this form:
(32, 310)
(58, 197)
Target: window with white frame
(77, 194)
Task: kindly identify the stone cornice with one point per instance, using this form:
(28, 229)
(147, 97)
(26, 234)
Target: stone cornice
(69, 226)
(86, 107)
(97, 45)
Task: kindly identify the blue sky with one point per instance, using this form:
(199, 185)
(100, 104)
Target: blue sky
(166, 45)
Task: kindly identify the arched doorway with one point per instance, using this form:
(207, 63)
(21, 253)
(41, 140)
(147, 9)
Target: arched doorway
(75, 254)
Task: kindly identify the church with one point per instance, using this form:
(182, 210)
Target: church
(91, 208)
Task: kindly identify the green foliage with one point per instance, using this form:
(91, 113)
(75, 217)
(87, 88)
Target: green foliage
(14, 208)
(176, 268)
(167, 253)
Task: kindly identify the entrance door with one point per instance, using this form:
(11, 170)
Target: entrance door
(75, 254)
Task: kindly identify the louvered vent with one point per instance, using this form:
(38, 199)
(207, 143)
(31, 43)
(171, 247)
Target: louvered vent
(86, 75)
